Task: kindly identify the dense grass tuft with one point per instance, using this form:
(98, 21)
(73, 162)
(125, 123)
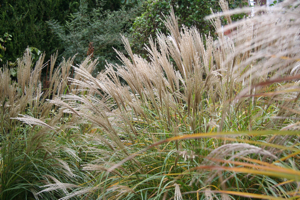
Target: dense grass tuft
(198, 119)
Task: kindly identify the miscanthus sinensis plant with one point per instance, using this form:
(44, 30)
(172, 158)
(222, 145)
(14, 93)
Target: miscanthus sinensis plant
(32, 153)
(175, 125)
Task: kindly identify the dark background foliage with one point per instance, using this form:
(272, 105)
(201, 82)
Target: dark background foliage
(25, 21)
(69, 26)
(99, 26)
(189, 12)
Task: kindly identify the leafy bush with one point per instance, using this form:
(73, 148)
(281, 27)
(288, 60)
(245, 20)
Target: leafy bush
(98, 27)
(190, 13)
(6, 37)
(26, 22)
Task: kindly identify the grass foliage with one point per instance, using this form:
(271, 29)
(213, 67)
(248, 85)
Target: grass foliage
(198, 119)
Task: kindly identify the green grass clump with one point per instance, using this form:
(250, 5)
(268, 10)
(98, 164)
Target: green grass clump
(199, 118)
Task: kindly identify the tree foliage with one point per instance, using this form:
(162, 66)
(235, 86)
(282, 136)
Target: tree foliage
(6, 37)
(26, 22)
(189, 12)
(100, 26)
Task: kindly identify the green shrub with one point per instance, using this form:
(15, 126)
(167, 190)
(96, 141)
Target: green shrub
(96, 31)
(26, 22)
(190, 13)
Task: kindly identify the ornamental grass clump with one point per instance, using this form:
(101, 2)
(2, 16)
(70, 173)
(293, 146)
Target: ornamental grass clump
(34, 153)
(176, 125)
